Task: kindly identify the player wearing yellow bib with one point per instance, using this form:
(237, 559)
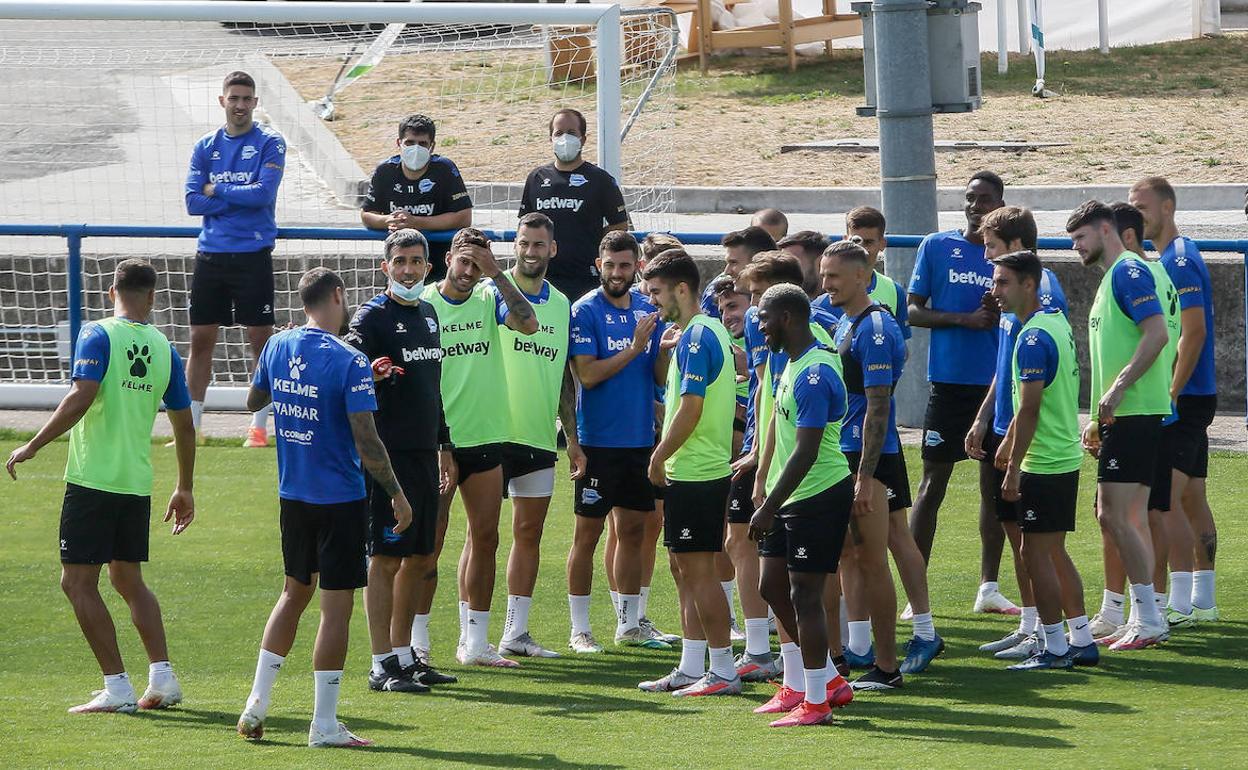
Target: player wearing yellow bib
(474, 398)
(1127, 335)
(123, 369)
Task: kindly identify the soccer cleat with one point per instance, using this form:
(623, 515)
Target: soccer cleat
(1176, 619)
(200, 440)
(866, 660)
(840, 695)
(711, 684)
(920, 653)
(339, 738)
(1100, 627)
(771, 627)
(105, 702)
(877, 679)
(251, 723)
(1087, 655)
(584, 644)
(526, 647)
(757, 668)
(908, 612)
(675, 680)
(161, 698)
(422, 671)
(1044, 661)
(1112, 636)
(256, 437)
(785, 699)
(1004, 643)
(735, 634)
(635, 637)
(1203, 615)
(806, 714)
(487, 657)
(1028, 648)
(995, 603)
(647, 626)
(1139, 636)
(394, 678)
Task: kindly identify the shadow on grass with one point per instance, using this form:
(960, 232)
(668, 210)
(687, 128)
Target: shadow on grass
(482, 759)
(296, 726)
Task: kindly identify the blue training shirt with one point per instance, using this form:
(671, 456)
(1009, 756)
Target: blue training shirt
(240, 215)
(1134, 289)
(1190, 277)
(778, 360)
(755, 356)
(316, 380)
(954, 275)
(1051, 297)
(879, 348)
(618, 412)
(91, 363)
(901, 313)
(699, 358)
(1038, 356)
(708, 303)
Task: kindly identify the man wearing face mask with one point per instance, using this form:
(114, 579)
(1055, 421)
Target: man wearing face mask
(418, 189)
(582, 200)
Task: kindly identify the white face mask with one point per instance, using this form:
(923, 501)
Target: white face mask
(404, 293)
(567, 147)
(414, 156)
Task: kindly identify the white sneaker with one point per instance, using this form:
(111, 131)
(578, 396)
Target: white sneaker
(1011, 639)
(995, 603)
(461, 653)
(526, 647)
(1100, 627)
(251, 723)
(1140, 635)
(584, 644)
(339, 737)
(105, 702)
(162, 697)
(1023, 650)
(907, 613)
(735, 634)
(487, 657)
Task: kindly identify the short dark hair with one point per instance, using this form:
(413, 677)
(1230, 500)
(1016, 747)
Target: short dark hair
(134, 275)
(771, 217)
(1011, 223)
(402, 239)
(537, 219)
(418, 124)
(469, 235)
(238, 78)
(655, 244)
(863, 217)
(676, 266)
(1159, 185)
(788, 298)
(809, 241)
(849, 249)
(1087, 213)
(580, 120)
(619, 240)
(991, 178)
(1025, 264)
(753, 238)
(773, 267)
(722, 285)
(1128, 217)
(318, 285)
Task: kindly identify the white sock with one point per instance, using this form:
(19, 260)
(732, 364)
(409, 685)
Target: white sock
(721, 662)
(693, 657)
(989, 587)
(628, 617)
(463, 622)
(757, 639)
(260, 418)
(517, 621)
(420, 632)
(1055, 638)
(267, 667)
(1112, 607)
(645, 601)
(405, 656)
(791, 655)
(859, 636)
(578, 607)
(1028, 620)
(325, 706)
(924, 628)
(1181, 592)
(160, 674)
(477, 637)
(119, 686)
(1160, 600)
(1143, 605)
(1080, 631)
(730, 592)
(615, 602)
(1202, 589)
(197, 414)
(378, 660)
(816, 685)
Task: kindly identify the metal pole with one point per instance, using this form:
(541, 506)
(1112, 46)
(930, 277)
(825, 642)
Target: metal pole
(609, 97)
(73, 290)
(1102, 20)
(1003, 43)
(1024, 31)
(907, 162)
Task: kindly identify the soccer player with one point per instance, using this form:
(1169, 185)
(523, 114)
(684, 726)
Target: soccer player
(810, 492)
(418, 189)
(617, 361)
(123, 369)
(474, 398)
(399, 334)
(773, 221)
(740, 247)
(948, 294)
(1040, 456)
(691, 462)
(232, 183)
(583, 201)
(539, 389)
(867, 225)
(323, 398)
(808, 246)
(1006, 230)
(1193, 534)
(1130, 395)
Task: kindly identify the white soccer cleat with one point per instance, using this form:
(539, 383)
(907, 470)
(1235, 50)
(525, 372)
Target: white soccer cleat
(995, 603)
(526, 647)
(1140, 635)
(1100, 628)
(908, 612)
(251, 723)
(584, 643)
(488, 657)
(1027, 648)
(341, 737)
(161, 698)
(106, 703)
(735, 634)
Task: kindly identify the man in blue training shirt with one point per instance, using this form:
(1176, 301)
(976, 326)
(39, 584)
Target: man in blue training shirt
(323, 400)
(232, 183)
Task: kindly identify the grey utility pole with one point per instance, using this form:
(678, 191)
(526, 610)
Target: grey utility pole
(907, 162)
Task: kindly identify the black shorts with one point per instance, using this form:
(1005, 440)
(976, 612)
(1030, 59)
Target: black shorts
(1129, 450)
(1159, 492)
(232, 288)
(950, 411)
(741, 498)
(693, 515)
(891, 472)
(1188, 437)
(1048, 501)
(477, 459)
(814, 528)
(1006, 511)
(98, 527)
(615, 477)
(775, 544)
(520, 460)
(417, 473)
(330, 539)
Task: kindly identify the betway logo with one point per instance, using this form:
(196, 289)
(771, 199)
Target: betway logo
(422, 354)
(970, 277)
(615, 346)
(529, 346)
(559, 203)
(419, 209)
(237, 177)
(467, 349)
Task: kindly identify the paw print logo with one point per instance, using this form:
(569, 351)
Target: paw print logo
(801, 552)
(1133, 272)
(140, 359)
(878, 338)
(1032, 339)
(685, 534)
(693, 347)
(297, 365)
(1046, 299)
(812, 376)
(1180, 261)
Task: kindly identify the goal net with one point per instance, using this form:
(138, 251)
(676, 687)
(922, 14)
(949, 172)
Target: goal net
(101, 109)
